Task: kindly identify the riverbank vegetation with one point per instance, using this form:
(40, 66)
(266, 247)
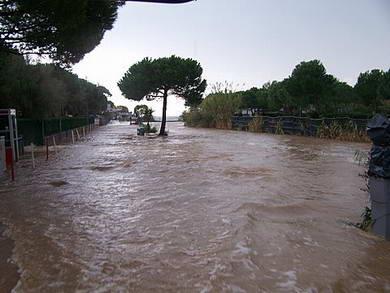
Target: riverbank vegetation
(308, 92)
(346, 131)
(215, 111)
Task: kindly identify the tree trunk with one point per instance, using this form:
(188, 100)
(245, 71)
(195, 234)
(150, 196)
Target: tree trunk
(164, 114)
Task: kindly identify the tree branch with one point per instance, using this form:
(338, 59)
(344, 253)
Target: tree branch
(154, 96)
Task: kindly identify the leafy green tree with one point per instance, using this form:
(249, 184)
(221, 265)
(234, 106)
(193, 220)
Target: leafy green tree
(143, 113)
(342, 99)
(373, 87)
(149, 116)
(140, 110)
(160, 78)
(65, 30)
(279, 98)
(310, 85)
(254, 99)
(384, 88)
(248, 99)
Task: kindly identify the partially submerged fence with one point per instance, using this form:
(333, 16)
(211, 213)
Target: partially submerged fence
(35, 130)
(66, 137)
(342, 128)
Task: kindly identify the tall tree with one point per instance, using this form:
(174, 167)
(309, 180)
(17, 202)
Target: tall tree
(65, 30)
(163, 77)
(309, 84)
(373, 87)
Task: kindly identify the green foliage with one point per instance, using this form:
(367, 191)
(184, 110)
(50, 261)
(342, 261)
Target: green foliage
(215, 111)
(195, 118)
(140, 110)
(279, 128)
(148, 115)
(363, 158)
(218, 109)
(150, 78)
(367, 220)
(310, 85)
(150, 129)
(347, 131)
(253, 99)
(160, 78)
(373, 87)
(310, 91)
(65, 30)
(44, 90)
(279, 97)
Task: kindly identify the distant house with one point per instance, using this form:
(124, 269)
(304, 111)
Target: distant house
(123, 113)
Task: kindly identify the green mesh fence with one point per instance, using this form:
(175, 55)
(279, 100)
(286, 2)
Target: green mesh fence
(35, 130)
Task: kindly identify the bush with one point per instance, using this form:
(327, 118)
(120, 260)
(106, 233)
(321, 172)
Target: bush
(215, 111)
(148, 128)
(347, 131)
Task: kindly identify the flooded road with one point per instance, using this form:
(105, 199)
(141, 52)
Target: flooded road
(199, 211)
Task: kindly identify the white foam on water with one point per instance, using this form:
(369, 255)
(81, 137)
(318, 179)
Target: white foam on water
(242, 249)
(235, 289)
(226, 221)
(291, 281)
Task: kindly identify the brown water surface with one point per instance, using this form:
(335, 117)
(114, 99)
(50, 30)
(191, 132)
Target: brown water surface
(199, 211)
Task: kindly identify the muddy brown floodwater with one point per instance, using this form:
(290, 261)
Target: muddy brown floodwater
(199, 211)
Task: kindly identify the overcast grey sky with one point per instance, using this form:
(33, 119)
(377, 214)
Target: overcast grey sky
(248, 42)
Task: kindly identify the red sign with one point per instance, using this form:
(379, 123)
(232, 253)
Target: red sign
(8, 156)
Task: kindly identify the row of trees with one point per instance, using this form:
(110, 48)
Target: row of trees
(310, 90)
(45, 90)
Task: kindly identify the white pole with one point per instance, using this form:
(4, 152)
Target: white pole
(78, 133)
(32, 155)
(17, 138)
(72, 136)
(11, 134)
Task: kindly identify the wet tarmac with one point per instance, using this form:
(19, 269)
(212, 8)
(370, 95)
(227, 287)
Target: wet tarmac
(198, 211)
